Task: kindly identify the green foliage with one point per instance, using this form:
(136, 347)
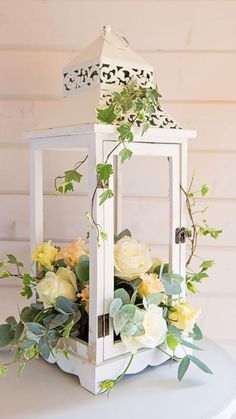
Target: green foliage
(3, 370)
(65, 306)
(12, 260)
(104, 171)
(205, 230)
(82, 270)
(197, 333)
(172, 342)
(107, 194)
(107, 115)
(122, 294)
(125, 133)
(190, 345)
(6, 335)
(20, 370)
(198, 228)
(183, 367)
(200, 364)
(172, 283)
(67, 329)
(184, 364)
(28, 282)
(125, 154)
(154, 298)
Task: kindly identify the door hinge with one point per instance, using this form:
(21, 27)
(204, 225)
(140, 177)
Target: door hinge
(181, 234)
(103, 325)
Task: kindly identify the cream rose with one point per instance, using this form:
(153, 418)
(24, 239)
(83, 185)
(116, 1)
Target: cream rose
(132, 258)
(150, 284)
(155, 331)
(59, 284)
(184, 316)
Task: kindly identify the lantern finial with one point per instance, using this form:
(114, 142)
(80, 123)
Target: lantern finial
(114, 38)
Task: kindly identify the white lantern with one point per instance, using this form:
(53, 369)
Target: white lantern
(106, 65)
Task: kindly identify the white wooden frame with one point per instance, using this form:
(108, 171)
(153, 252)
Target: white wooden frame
(100, 358)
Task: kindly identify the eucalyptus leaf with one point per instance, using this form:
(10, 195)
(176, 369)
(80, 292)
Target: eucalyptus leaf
(115, 306)
(65, 306)
(197, 332)
(200, 364)
(123, 295)
(58, 320)
(190, 345)
(82, 270)
(18, 331)
(154, 298)
(183, 366)
(129, 329)
(44, 348)
(36, 328)
(6, 335)
(11, 321)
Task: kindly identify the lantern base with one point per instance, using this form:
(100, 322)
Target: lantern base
(91, 375)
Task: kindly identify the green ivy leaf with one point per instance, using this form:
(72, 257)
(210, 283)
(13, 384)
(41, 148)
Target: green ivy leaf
(145, 127)
(12, 259)
(125, 154)
(183, 366)
(125, 133)
(72, 176)
(104, 171)
(67, 329)
(107, 194)
(3, 370)
(204, 190)
(107, 115)
(191, 287)
(206, 264)
(20, 370)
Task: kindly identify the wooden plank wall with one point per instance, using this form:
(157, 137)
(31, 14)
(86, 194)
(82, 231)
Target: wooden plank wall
(192, 45)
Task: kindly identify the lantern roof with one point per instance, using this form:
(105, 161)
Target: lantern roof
(106, 65)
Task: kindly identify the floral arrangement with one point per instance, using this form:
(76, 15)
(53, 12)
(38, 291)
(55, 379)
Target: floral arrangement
(148, 309)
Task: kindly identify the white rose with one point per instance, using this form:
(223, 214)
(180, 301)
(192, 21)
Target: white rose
(59, 284)
(155, 331)
(132, 258)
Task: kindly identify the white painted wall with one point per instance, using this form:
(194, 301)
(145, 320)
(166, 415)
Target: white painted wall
(192, 45)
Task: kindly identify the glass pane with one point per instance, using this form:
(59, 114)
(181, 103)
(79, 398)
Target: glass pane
(65, 223)
(144, 210)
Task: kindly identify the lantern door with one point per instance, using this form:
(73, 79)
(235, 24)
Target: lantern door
(168, 216)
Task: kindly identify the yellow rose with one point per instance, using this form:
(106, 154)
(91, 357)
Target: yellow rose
(84, 295)
(71, 252)
(150, 284)
(132, 258)
(155, 331)
(45, 254)
(184, 316)
(59, 284)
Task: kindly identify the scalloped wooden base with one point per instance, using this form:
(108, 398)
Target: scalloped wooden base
(91, 375)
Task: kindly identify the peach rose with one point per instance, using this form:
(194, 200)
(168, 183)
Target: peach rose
(72, 252)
